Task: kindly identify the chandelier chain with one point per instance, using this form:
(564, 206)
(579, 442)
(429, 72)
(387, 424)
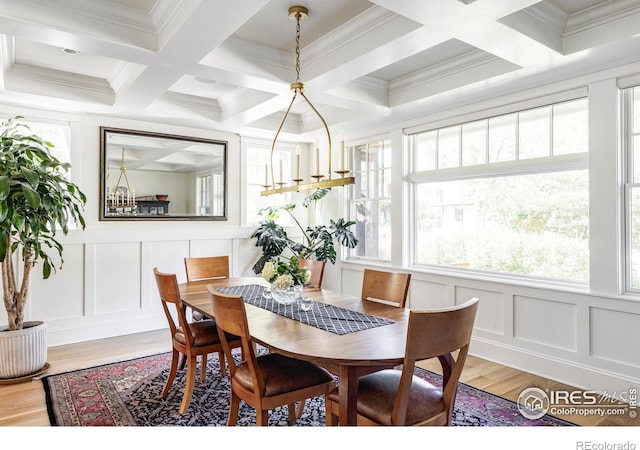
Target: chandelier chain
(298, 47)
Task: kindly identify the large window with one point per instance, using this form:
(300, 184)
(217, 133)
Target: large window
(632, 108)
(505, 194)
(58, 134)
(369, 200)
(259, 173)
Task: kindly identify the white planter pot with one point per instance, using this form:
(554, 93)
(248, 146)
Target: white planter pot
(23, 352)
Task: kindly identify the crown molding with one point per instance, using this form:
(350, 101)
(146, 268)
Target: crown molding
(601, 15)
(463, 63)
(59, 78)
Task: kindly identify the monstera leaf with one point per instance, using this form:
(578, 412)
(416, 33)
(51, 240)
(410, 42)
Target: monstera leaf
(318, 242)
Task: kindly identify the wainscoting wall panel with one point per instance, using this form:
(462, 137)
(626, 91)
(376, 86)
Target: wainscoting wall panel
(425, 295)
(490, 315)
(553, 333)
(52, 298)
(168, 257)
(545, 322)
(117, 278)
(211, 247)
(614, 334)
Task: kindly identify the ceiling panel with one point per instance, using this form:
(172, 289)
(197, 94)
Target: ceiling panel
(228, 65)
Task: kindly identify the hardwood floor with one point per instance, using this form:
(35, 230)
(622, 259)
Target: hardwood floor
(24, 404)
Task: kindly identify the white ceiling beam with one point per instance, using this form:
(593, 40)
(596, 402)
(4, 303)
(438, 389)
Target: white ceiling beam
(208, 26)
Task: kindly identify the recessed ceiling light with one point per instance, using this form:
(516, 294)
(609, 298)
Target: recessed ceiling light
(204, 80)
(69, 51)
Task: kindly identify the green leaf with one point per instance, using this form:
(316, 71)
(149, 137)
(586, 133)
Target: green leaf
(18, 221)
(46, 270)
(32, 177)
(32, 197)
(5, 186)
(315, 196)
(3, 247)
(345, 237)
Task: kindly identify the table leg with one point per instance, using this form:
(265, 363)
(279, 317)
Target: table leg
(348, 395)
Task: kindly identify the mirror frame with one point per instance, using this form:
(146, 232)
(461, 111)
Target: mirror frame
(105, 132)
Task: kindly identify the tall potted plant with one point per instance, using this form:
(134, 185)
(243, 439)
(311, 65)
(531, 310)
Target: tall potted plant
(318, 242)
(36, 203)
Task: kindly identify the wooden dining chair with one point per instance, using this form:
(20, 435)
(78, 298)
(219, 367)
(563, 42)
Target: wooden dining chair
(189, 339)
(398, 397)
(387, 286)
(206, 268)
(317, 271)
(266, 381)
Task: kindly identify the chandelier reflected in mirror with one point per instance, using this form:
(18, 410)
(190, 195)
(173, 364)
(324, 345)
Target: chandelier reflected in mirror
(272, 186)
(121, 199)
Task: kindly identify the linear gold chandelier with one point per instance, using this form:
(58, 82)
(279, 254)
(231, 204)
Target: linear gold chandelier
(299, 13)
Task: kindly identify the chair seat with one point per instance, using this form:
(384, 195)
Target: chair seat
(282, 374)
(377, 393)
(204, 332)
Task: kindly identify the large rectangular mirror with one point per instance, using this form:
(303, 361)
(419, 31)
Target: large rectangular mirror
(154, 176)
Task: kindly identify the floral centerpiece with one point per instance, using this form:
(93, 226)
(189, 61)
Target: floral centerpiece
(286, 278)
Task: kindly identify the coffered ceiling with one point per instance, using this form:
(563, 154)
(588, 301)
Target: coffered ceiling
(228, 64)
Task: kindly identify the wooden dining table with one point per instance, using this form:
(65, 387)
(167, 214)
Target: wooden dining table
(349, 356)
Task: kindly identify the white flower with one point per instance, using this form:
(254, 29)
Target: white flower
(268, 271)
(307, 276)
(284, 281)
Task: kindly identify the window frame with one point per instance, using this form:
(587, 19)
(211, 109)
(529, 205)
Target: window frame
(349, 200)
(515, 167)
(285, 198)
(629, 183)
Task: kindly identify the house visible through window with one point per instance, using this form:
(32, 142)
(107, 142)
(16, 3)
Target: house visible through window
(505, 194)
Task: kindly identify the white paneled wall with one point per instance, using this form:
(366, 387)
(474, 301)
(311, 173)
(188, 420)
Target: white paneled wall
(108, 289)
(615, 336)
(583, 340)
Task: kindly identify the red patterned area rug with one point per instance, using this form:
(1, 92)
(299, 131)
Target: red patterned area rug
(128, 394)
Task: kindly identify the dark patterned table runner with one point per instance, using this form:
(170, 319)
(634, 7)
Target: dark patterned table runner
(327, 317)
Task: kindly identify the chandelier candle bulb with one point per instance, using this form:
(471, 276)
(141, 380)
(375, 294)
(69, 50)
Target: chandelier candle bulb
(281, 171)
(342, 137)
(297, 162)
(266, 174)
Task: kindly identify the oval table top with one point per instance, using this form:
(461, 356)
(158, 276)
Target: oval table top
(348, 355)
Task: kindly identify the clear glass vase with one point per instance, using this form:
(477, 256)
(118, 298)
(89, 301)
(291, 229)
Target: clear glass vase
(286, 296)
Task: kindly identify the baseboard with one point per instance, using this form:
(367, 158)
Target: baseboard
(81, 332)
(560, 370)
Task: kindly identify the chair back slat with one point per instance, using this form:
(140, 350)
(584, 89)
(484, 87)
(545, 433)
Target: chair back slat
(388, 286)
(170, 294)
(231, 317)
(207, 267)
(317, 271)
(436, 333)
